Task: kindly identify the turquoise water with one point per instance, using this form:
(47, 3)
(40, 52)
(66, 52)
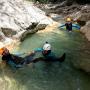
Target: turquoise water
(51, 76)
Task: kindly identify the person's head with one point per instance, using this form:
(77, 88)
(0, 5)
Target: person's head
(4, 51)
(1, 50)
(68, 19)
(46, 42)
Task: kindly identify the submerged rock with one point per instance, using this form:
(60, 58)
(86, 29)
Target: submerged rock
(84, 17)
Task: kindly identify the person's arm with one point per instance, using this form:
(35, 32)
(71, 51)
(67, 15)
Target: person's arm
(19, 54)
(62, 25)
(38, 50)
(76, 26)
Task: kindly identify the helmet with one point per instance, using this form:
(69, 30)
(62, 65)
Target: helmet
(68, 19)
(1, 51)
(47, 47)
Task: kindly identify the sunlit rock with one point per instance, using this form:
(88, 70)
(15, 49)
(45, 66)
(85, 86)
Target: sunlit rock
(86, 30)
(40, 26)
(18, 15)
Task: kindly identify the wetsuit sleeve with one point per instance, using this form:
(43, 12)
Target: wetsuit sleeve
(77, 26)
(62, 25)
(19, 54)
(3, 58)
(38, 50)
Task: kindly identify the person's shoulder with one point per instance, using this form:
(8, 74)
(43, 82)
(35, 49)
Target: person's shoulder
(49, 44)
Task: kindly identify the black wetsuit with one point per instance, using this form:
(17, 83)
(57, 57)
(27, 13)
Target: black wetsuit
(10, 57)
(7, 57)
(46, 53)
(68, 26)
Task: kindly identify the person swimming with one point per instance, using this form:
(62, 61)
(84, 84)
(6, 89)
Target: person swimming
(8, 58)
(46, 48)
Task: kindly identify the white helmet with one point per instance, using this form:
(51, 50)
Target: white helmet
(47, 46)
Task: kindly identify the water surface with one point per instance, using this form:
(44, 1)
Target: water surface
(50, 76)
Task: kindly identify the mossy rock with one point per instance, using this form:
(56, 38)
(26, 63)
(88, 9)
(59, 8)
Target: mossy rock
(32, 26)
(8, 32)
(40, 27)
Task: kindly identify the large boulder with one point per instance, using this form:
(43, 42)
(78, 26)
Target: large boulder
(85, 13)
(32, 26)
(86, 30)
(16, 17)
(40, 27)
(32, 29)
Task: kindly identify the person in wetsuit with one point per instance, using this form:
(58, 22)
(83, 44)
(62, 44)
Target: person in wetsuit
(68, 24)
(46, 49)
(9, 58)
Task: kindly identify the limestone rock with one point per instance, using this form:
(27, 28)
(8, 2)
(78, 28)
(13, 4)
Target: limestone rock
(40, 27)
(16, 17)
(86, 30)
(32, 26)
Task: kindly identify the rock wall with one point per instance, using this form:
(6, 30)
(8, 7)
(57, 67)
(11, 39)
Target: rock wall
(17, 15)
(86, 30)
(84, 16)
(79, 13)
